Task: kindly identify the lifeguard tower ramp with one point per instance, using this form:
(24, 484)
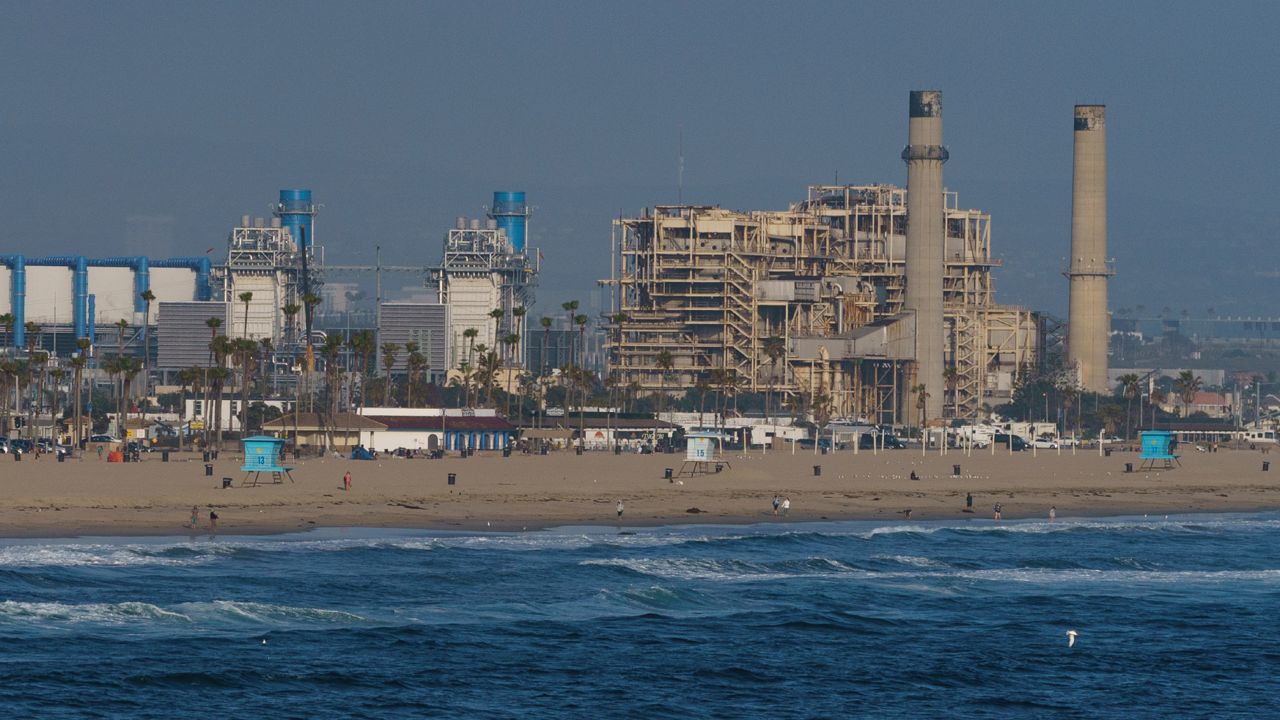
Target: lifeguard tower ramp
(702, 454)
(262, 455)
(1157, 451)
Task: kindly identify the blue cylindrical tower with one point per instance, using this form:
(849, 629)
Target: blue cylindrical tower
(296, 211)
(512, 216)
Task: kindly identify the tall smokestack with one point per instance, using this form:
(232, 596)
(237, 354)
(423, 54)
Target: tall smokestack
(1087, 324)
(924, 156)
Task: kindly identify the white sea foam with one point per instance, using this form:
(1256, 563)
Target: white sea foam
(101, 555)
(96, 613)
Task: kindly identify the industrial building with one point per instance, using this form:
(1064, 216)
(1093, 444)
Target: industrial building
(1090, 269)
(842, 301)
(485, 267)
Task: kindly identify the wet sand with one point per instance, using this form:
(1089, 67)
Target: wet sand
(44, 498)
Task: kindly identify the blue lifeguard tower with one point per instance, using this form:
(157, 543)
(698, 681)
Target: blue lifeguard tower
(262, 454)
(1157, 451)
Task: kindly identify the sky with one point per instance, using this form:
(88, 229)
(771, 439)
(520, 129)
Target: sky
(150, 128)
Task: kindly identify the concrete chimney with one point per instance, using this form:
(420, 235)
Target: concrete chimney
(1087, 324)
(924, 156)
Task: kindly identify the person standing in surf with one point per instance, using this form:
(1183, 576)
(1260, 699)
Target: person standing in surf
(213, 520)
(786, 506)
(1053, 513)
(620, 509)
(776, 502)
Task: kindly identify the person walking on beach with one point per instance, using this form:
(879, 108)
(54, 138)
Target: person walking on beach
(213, 521)
(346, 481)
(1053, 513)
(968, 502)
(620, 509)
(998, 510)
(776, 502)
(786, 506)
(195, 517)
(99, 451)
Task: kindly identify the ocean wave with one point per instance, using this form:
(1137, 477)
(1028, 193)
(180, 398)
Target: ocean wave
(726, 570)
(100, 555)
(96, 613)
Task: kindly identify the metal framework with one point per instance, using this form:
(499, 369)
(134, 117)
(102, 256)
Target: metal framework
(712, 286)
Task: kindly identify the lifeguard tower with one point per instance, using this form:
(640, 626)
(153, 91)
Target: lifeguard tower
(702, 454)
(262, 455)
(1157, 451)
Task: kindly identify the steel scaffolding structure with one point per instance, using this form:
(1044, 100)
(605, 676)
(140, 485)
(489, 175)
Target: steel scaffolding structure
(826, 277)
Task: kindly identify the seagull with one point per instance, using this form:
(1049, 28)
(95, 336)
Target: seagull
(264, 641)
(1071, 638)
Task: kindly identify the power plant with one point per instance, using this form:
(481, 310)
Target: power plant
(846, 303)
(869, 301)
(1088, 324)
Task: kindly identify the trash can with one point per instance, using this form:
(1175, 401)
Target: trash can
(206, 456)
(1266, 466)
(1107, 452)
(124, 456)
(63, 458)
(617, 449)
(955, 471)
(297, 454)
(578, 450)
(506, 451)
(542, 450)
(208, 470)
(817, 470)
(1128, 467)
(215, 454)
(453, 478)
(824, 450)
(164, 456)
(226, 483)
(17, 457)
(666, 474)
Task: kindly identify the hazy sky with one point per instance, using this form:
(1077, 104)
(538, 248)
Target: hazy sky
(151, 127)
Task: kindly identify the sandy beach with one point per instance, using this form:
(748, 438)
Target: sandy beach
(44, 498)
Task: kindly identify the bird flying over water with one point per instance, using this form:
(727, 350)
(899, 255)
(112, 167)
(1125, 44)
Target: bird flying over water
(1071, 638)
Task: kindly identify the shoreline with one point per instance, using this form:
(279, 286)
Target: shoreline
(89, 498)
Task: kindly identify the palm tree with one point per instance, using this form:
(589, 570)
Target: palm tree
(1129, 388)
(78, 364)
(246, 298)
(1187, 384)
(1067, 396)
(129, 368)
(291, 311)
(665, 362)
(951, 378)
(187, 377)
(309, 303)
(497, 314)
(775, 348)
(8, 321)
(40, 366)
(921, 392)
(147, 298)
(218, 376)
(510, 341)
(389, 351)
(470, 336)
(545, 322)
(570, 308)
(518, 312)
(582, 336)
(213, 324)
(245, 352)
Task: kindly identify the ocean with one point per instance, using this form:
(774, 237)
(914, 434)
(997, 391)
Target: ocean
(1175, 617)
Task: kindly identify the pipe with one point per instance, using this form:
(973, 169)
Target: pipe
(93, 320)
(17, 296)
(512, 216)
(80, 289)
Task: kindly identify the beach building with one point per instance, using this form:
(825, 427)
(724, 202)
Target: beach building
(322, 430)
(427, 429)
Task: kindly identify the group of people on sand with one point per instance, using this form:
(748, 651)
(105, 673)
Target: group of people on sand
(195, 519)
(781, 503)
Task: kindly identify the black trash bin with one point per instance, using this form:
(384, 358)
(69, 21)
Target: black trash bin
(208, 470)
(1266, 466)
(63, 458)
(164, 456)
(506, 451)
(817, 470)
(578, 450)
(206, 456)
(824, 450)
(453, 478)
(17, 456)
(666, 474)
(226, 483)
(1128, 467)
(1107, 452)
(617, 449)
(955, 471)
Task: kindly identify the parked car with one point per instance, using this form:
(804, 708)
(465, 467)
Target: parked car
(1045, 444)
(4, 446)
(102, 439)
(135, 447)
(21, 446)
(1005, 440)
